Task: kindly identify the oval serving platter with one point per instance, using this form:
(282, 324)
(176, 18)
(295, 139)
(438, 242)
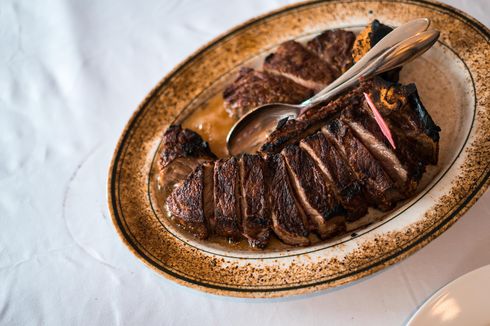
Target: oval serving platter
(452, 79)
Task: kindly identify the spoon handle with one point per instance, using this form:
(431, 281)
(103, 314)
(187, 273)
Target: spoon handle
(394, 57)
(399, 34)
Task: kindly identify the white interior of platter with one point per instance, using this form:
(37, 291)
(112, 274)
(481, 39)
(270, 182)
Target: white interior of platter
(446, 89)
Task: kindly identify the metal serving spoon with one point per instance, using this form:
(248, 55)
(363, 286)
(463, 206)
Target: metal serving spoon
(403, 44)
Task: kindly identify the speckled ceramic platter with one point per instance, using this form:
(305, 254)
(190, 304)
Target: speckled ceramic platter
(453, 79)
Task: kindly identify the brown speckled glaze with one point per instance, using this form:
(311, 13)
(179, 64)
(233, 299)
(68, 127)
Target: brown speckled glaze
(453, 186)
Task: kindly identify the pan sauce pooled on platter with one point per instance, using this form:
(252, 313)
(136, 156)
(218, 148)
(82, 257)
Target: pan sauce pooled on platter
(314, 175)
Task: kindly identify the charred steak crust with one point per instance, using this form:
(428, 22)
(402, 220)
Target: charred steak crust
(342, 179)
(288, 220)
(294, 61)
(227, 215)
(256, 220)
(292, 131)
(254, 88)
(313, 192)
(185, 204)
(335, 48)
(178, 142)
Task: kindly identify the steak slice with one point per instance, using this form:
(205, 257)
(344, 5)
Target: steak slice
(227, 216)
(380, 189)
(344, 182)
(292, 131)
(256, 221)
(407, 118)
(294, 61)
(403, 167)
(314, 194)
(254, 88)
(334, 47)
(182, 151)
(189, 202)
(288, 220)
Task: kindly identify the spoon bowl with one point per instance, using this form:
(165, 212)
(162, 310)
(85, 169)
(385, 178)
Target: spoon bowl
(256, 125)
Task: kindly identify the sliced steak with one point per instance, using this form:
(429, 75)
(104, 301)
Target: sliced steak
(227, 216)
(294, 61)
(289, 222)
(407, 118)
(313, 192)
(334, 47)
(288, 132)
(292, 131)
(344, 182)
(254, 88)
(256, 220)
(403, 167)
(380, 189)
(182, 151)
(189, 202)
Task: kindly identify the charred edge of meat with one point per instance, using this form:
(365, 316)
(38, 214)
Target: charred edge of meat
(294, 61)
(334, 47)
(427, 124)
(256, 222)
(178, 142)
(254, 88)
(292, 131)
(288, 220)
(339, 174)
(288, 132)
(369, 37)
(380, 189)
(185, 204)
(313, 192)
(402, 109)
(227, 215)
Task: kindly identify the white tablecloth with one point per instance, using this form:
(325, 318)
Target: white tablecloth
(71, 74)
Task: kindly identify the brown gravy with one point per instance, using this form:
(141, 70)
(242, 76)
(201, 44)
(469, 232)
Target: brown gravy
(212, 122)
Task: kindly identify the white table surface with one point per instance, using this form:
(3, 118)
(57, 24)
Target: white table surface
(71, 74)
